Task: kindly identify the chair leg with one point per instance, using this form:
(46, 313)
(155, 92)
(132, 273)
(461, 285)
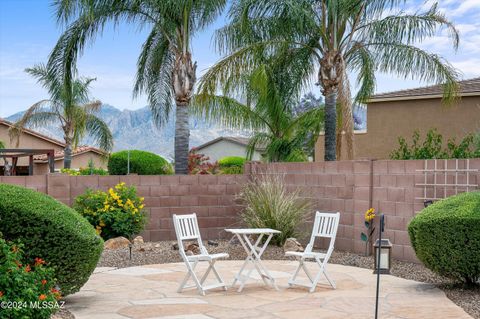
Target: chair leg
(219, 278)
(295, 274)
(330, 281)
(191, 273)
(187, 276)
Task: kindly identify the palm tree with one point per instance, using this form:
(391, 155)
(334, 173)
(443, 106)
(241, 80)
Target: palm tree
(70, 107)
(327, 39)
(165, 68)
(269, 97)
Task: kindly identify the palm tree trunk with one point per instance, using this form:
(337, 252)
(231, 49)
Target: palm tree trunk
(330, 124)
(183, 80)
(345, 128)
(182, 136)
(67, 155)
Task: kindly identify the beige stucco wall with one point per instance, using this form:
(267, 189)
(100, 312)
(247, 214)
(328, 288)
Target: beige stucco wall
(26, 141)
(226, 148)
(386, 121)
(78, 161)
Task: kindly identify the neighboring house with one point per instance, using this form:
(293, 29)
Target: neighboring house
(228, 146)
(400, 113)
(30, 139)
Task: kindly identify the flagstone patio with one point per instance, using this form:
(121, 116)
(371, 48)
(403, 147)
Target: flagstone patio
(150, 292)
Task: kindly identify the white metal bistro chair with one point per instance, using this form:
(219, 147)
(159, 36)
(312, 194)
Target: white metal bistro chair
(325, 225)
(186, 228)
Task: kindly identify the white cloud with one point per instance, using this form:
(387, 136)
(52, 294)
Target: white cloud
(464, 6)
(469, 67)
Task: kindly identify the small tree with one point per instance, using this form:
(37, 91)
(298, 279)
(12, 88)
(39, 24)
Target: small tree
(69, 106)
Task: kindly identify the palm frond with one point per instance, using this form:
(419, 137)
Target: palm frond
(226, 111)
(36, 116)
(408, 28)
(409, 61)
(97, 129)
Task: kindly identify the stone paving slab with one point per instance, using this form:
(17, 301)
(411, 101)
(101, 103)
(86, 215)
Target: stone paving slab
(150, 292)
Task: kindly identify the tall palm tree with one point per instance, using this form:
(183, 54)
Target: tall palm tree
(70, 107)
(327, 39)
(165, 68)
(263, 101)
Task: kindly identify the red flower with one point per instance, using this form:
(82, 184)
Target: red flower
(18, 263)
(1, 294)
(44, 282)
(42, 297)
(39, 261)
(27, 268)
(56, 293)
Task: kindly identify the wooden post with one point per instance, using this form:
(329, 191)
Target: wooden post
(30, 165)
(51, 161)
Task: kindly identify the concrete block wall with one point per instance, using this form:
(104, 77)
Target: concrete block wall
(350, 187)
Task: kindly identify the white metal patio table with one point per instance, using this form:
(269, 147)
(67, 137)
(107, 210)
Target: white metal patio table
(254, 253)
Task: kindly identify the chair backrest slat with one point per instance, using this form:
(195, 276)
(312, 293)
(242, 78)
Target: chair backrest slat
(325, 225)
(186, 227)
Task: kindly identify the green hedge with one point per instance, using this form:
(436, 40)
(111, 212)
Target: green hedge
(446, 237)
(52, 231)
(230, 161)
(141, 163)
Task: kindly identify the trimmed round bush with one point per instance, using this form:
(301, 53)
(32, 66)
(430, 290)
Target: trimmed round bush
(232, 164)
(230, 161)
(141, 163)
(52, 231)
(446, 237)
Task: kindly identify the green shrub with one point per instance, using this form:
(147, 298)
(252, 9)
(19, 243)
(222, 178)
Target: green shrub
(268, 204)
(432, 147)
(446, 237)
(232, 164)
(141, 163)
(84, 171)
(232, 170)
(52, 231)
(26, 282)
(230, 161)
(116, 213)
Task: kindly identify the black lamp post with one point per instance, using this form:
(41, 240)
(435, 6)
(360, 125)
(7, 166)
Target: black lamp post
(378, 261)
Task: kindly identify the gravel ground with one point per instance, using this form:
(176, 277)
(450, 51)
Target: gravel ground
(162, 252)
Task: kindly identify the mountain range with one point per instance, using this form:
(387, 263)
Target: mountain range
(134, 129)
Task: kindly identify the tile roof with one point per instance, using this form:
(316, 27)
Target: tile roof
(235, 139)
(79, 150)
(467, 87)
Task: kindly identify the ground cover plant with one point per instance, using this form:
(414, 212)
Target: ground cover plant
(26, 282)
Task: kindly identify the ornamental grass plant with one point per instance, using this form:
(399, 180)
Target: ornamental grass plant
(269, 204)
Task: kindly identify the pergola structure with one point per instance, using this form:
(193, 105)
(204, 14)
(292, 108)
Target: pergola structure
(16, 153)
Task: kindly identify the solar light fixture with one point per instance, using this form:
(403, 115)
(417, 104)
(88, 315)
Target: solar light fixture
(385, 254)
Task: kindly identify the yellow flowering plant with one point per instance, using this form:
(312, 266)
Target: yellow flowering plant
(369, 225)
(117, 212)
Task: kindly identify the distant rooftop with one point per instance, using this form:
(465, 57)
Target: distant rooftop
(469, 87)
(234, 139)
(79, 150)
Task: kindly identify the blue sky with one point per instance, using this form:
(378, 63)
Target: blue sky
(28, 31)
